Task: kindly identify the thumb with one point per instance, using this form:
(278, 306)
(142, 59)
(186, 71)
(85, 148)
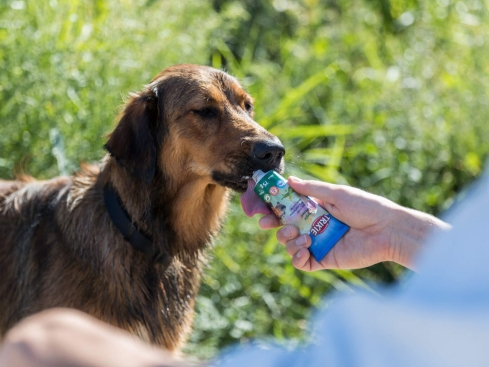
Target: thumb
(317, 189)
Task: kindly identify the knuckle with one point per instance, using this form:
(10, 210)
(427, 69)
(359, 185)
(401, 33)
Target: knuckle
(289, 231)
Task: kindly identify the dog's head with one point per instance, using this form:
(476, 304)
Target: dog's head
(195, 121)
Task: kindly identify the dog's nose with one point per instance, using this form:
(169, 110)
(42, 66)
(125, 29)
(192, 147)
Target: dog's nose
(268, 152)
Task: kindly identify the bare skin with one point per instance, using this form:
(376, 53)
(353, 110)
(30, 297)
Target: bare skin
(380, 229)
(66, 337)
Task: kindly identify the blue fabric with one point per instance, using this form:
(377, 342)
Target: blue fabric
(437, 317)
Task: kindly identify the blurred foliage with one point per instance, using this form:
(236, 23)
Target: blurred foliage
(66, 65)
(386, 95)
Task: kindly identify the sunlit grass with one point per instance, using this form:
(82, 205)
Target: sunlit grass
(396, 105)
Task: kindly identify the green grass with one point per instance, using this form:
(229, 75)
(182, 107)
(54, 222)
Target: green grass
(389, 96)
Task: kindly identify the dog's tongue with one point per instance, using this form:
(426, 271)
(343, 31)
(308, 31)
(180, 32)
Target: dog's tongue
(251, 203)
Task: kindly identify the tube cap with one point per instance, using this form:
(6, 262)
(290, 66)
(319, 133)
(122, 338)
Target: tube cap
(258, 175)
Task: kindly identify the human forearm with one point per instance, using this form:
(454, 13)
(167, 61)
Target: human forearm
(409, 229)
(63, 337)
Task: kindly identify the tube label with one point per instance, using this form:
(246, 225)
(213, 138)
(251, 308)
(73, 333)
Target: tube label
(301, 211)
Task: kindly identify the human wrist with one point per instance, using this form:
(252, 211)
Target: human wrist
(409, 229)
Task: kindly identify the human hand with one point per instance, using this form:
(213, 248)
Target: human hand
(380, 230)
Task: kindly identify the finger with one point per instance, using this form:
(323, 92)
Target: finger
(301, 260)
(293, 246)
(286, 233)
(269, 221)
(322, 190)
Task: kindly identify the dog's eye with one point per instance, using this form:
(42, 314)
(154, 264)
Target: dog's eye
(248, 107)
(206, 112)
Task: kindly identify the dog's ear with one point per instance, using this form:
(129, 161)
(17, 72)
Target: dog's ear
(133, 143)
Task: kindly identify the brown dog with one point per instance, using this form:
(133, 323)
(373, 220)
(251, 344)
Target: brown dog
(125, 242)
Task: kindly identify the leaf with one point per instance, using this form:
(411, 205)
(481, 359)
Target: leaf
(312, 131)
(295, 95)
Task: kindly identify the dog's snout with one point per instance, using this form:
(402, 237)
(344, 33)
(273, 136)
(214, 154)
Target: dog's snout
(268, 152)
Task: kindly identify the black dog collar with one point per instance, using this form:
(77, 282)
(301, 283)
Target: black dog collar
(129, 231)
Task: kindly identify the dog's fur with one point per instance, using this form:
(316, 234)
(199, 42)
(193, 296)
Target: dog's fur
(178, 147)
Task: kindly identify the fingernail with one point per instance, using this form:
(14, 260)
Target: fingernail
(298, 254)
(295, 179)
(288, 232)
(301, 241)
